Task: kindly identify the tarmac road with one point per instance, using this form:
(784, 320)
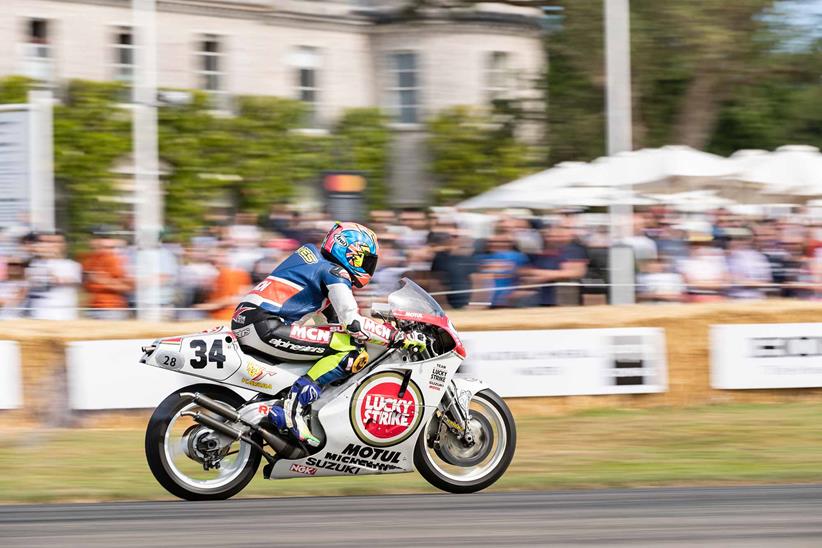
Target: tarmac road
(739, 516)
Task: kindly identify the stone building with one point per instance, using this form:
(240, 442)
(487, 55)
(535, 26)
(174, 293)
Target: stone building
(332, 54)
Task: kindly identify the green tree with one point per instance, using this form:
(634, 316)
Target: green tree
(90, 134)
(708, 74)
(362, 143)
(472, 152)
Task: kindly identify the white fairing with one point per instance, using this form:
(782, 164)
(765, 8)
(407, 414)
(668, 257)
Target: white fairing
(216, 355)
(369, 430)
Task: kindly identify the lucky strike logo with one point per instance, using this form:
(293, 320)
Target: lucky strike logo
(379, 416)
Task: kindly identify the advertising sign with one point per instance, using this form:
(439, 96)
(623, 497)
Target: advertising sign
(109, 375)
(11, 382)
(787, 355)
(568, 362)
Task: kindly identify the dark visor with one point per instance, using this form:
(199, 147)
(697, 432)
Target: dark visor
(369, 263)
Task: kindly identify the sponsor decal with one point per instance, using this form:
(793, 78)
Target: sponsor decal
(355, 457)
(256, 373)
(287, 345)
(439, 376)
(628, 361)
(310, 334)
(263, 409)
(238, 314)
(785, 347)
(256, 384)
(244, 332)
(303, 469)
(379, 329)
(307, 255)
(379, 416)
(340, 239)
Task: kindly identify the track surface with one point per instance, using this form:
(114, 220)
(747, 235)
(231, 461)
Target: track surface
(746, 516)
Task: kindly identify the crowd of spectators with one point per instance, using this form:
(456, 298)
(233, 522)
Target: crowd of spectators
(508, 259)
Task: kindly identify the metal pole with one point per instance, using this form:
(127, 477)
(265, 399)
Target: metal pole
(41, 151)
(148, 211)
(618, 106)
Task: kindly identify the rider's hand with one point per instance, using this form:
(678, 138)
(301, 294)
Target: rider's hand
(414, 341)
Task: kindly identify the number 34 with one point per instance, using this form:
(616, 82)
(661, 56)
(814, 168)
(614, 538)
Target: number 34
(215, 355)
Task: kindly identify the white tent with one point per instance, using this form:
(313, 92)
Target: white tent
(790, 169)
(791, 174)
(523, 192)
(610, 177)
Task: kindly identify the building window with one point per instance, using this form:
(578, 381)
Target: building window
(497, 75)
(123, 64)
(210, 63)
(37, 54)
(404, 87)
(306, 61)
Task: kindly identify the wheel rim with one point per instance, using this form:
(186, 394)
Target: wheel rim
(187, 471)
(497, 437)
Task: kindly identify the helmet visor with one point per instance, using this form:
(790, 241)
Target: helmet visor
(369, 263)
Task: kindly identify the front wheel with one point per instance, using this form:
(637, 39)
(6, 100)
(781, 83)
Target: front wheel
(448, 464)
(188, 459)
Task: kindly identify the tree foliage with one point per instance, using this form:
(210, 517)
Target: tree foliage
(472, 151)
(709, 74)
(246, 162)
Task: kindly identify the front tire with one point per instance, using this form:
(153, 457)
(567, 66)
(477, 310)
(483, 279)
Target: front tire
(497, 434)
(163, 450)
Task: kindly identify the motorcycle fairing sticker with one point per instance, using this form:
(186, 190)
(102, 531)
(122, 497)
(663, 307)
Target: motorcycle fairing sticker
(379, 416)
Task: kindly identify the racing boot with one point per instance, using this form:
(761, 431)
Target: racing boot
(303, 393)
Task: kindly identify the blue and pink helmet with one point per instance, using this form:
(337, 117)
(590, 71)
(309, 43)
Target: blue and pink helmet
(353, 247)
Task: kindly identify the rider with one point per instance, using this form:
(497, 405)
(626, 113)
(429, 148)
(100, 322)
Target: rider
(306, 283)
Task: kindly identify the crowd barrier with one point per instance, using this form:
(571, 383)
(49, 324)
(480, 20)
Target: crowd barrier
(544, 360)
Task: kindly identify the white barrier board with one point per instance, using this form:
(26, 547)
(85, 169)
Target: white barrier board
(109, 375)
(780, 355)
(11, 381)
(566, 362)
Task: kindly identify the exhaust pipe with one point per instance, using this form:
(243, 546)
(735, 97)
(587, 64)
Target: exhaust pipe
(213, 405)
(282, 447)
(223, 428)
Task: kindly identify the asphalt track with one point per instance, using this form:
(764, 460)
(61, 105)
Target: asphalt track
(744, 516)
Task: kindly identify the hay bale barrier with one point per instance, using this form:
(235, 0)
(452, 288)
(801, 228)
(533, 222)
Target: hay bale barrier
(43, 343)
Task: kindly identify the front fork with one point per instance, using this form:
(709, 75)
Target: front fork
(454, 413)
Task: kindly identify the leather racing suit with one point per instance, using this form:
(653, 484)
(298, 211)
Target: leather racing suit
(269, 321)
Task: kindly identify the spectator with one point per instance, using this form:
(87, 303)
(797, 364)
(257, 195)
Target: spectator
(455, 264)
(705, 270)
(561, 260)
(229, 286)
(197, 275)
(53, 280)
(660, 283)
(499, 266)
(105, 278)
(13, 289)
(749, 270)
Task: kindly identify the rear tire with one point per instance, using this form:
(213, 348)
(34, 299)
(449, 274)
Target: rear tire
(155, 447)
(437, 474)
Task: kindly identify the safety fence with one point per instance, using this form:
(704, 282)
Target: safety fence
(551, 360)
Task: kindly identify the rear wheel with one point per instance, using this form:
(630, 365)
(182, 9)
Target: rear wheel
(451, 465)
(188, 459)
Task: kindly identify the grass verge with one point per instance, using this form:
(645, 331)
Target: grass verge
(710, 445)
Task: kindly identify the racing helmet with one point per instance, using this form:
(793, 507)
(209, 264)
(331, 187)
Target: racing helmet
(353, 247)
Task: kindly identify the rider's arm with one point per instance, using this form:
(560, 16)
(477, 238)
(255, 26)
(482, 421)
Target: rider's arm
(366, 329)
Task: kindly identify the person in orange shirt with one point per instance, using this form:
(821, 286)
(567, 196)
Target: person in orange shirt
(105, 279)
(229, 286)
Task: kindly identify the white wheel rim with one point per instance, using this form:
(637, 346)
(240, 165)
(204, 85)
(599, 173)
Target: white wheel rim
(229, 469)
(477, 472)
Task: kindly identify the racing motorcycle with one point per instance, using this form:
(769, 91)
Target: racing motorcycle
(403, 410)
